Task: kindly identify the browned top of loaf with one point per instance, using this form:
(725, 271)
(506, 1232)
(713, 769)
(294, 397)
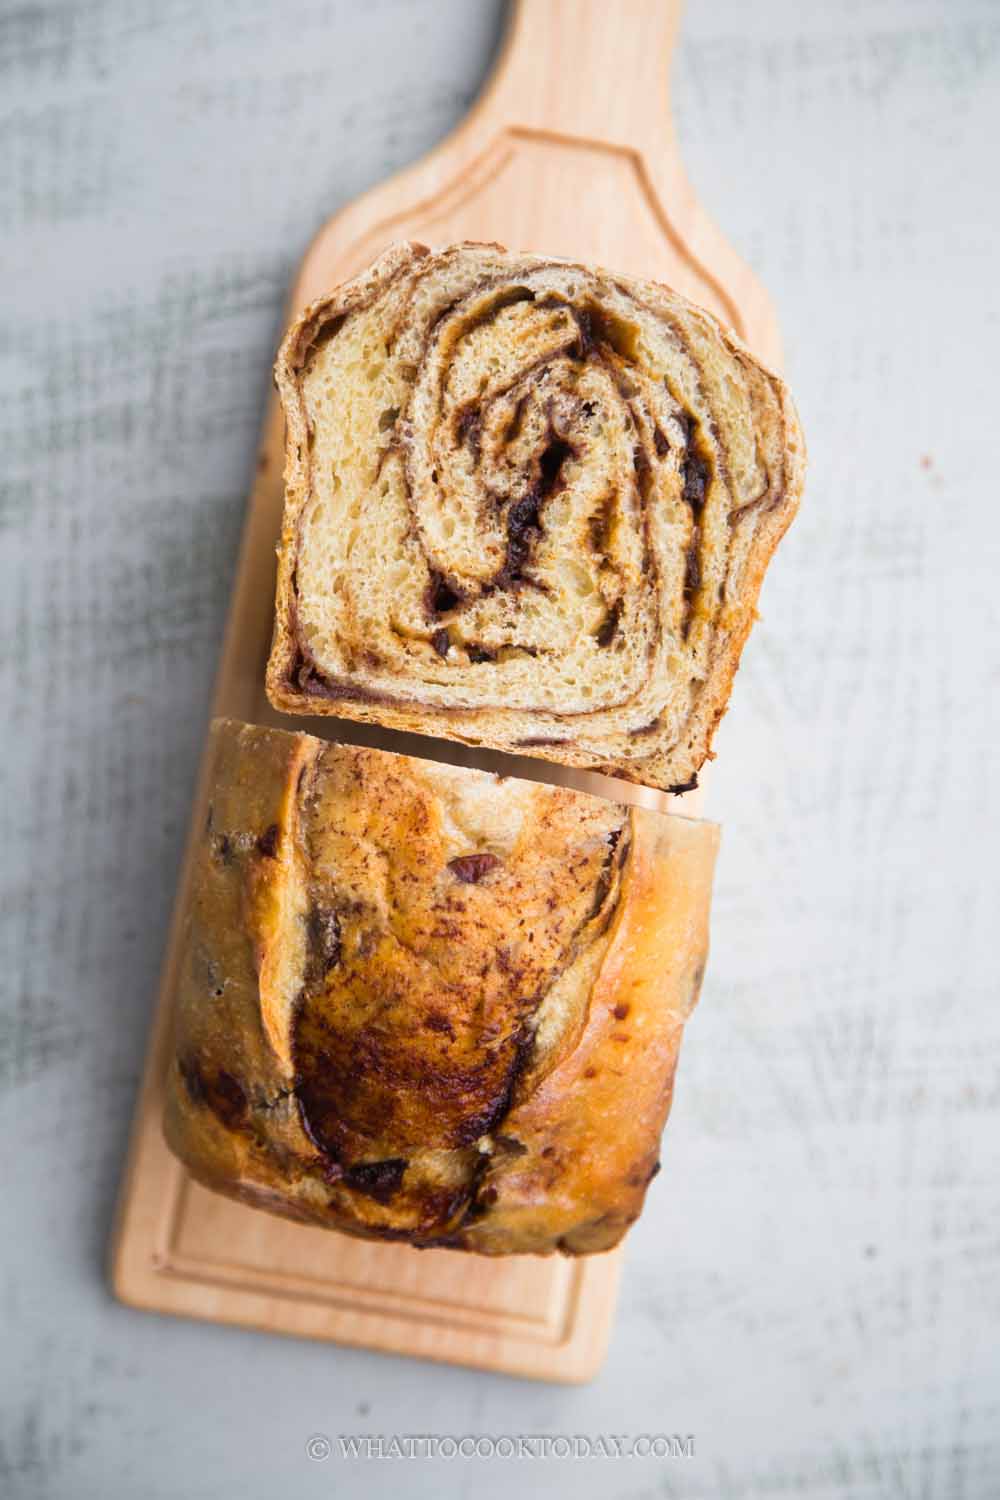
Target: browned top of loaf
(421, 1003)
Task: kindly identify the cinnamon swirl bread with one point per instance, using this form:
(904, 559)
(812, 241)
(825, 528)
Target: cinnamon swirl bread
(419, 1003)
(529, 505)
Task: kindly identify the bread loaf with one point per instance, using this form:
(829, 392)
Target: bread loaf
(421, 1003)
(529, 505)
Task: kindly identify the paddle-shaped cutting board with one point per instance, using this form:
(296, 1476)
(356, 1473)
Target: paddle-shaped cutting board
(569, 151)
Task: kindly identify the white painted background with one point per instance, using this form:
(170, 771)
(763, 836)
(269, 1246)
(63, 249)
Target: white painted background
(814, 1290)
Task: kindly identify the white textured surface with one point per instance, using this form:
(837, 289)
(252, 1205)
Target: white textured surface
(814, 1291)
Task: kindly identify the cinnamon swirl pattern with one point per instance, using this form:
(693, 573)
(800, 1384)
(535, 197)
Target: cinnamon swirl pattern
(529, 505)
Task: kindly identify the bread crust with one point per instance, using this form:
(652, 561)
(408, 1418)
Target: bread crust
(297, 683)
(402, 1066)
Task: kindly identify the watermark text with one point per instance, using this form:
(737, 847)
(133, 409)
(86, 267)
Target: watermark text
(520, 1445)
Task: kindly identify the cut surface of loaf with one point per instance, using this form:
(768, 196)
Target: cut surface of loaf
(422, 1003)
(528, 505)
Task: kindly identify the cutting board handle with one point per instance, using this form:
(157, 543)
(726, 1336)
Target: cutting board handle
(569, 150)
(591, 69)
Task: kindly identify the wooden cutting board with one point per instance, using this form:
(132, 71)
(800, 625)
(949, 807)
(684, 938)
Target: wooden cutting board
(569, 151)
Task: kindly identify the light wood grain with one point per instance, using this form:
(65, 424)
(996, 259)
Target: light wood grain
(569, 151)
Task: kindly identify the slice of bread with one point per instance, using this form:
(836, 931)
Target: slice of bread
(529, 505)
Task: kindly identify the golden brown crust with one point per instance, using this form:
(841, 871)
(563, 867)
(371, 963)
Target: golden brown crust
(419, 1003)
(705, 486)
